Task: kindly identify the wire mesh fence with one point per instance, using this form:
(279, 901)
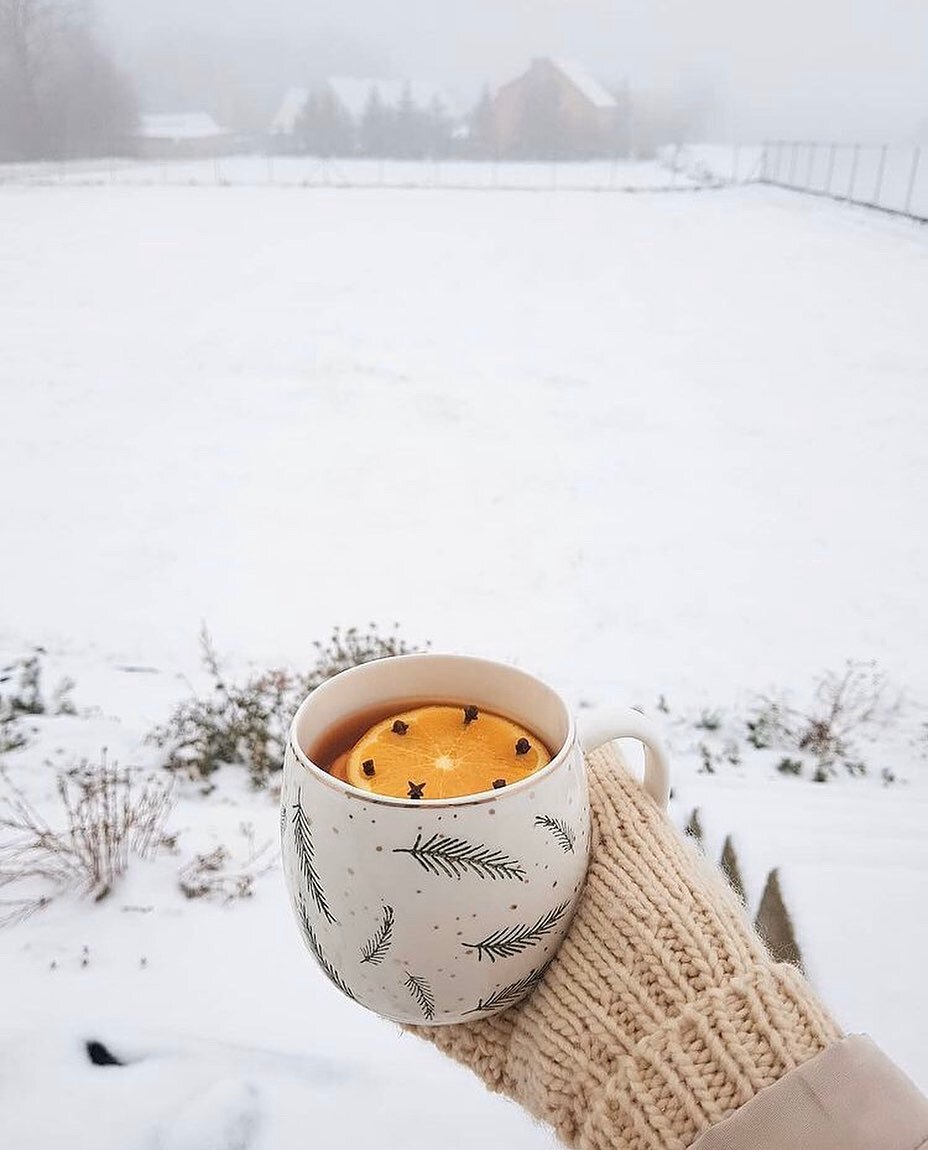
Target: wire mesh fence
(303, 171)
(888, 178)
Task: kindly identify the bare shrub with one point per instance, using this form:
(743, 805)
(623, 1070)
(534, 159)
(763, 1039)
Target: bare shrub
(216, 875)
(246, 723)
(708, 720)
(846, 706)
(706, 760)
(106, 820)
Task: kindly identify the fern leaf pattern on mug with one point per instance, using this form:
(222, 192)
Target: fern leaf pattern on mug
(375, 949)
(563, 834)
(510, 940)
(333, 975)
(305, 850)
(454, 857)
(422, 993)
(509, 995)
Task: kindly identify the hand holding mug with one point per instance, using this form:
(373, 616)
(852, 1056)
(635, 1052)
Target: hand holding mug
(436, 912)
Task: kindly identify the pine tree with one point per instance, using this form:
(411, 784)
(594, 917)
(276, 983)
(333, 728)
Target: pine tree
(375, 126)
(483, 126)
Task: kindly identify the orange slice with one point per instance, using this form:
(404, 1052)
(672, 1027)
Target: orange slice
(443, 752)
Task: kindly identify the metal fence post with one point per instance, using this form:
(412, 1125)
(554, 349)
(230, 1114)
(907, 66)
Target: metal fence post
(792, 163)
(853, 179)
(809, 167)
(916, 156)
(879, 176)
(831, 167)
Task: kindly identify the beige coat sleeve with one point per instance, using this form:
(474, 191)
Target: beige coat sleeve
(850, 1097)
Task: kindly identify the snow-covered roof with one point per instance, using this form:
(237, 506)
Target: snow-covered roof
(591, 89)
(180, 126)
(354, 93)
(291, 106)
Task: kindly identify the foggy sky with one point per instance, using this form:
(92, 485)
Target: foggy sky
(812, 68)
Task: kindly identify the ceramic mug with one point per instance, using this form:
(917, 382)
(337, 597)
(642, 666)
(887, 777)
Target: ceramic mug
(440, 911)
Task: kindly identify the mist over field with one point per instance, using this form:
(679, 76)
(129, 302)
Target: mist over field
(823, 70)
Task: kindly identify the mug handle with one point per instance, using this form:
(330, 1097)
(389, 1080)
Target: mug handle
(626, 723)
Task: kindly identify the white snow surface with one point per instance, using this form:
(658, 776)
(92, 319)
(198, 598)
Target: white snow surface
(641, 445)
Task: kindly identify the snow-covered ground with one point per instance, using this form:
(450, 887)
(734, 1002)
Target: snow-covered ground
(642, 445)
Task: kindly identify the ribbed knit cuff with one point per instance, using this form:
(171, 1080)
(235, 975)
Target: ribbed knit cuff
(702, 1065)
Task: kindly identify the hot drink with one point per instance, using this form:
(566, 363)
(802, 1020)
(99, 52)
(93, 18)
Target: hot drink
(430, 750)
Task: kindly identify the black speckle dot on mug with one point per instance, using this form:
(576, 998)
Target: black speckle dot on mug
(380, 848)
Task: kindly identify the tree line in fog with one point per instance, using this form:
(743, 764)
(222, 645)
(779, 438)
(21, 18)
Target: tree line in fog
(60, 92)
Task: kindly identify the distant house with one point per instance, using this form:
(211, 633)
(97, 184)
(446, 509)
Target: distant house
(348, 114)
(182, 134)
(553, 109)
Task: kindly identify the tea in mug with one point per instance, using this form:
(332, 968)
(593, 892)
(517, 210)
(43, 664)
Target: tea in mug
(431, 751)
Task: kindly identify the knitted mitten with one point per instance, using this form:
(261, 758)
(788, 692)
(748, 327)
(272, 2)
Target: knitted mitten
(661, 1013)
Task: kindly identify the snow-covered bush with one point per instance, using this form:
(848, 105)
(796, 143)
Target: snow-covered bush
(245, 723)
(21, 697)
(217, 875)
(105, 818)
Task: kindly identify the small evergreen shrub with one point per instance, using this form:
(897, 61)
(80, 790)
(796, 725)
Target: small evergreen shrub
(246, 723)
(21, 698)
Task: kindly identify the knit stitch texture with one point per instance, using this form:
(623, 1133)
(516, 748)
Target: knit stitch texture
(661, 1013)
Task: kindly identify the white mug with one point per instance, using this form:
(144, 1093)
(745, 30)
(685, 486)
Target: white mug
(440, 911)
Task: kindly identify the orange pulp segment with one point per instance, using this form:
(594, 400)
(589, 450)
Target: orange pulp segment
(443, 752)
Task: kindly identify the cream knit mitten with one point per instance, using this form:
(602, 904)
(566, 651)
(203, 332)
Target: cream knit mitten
(661, 1013)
